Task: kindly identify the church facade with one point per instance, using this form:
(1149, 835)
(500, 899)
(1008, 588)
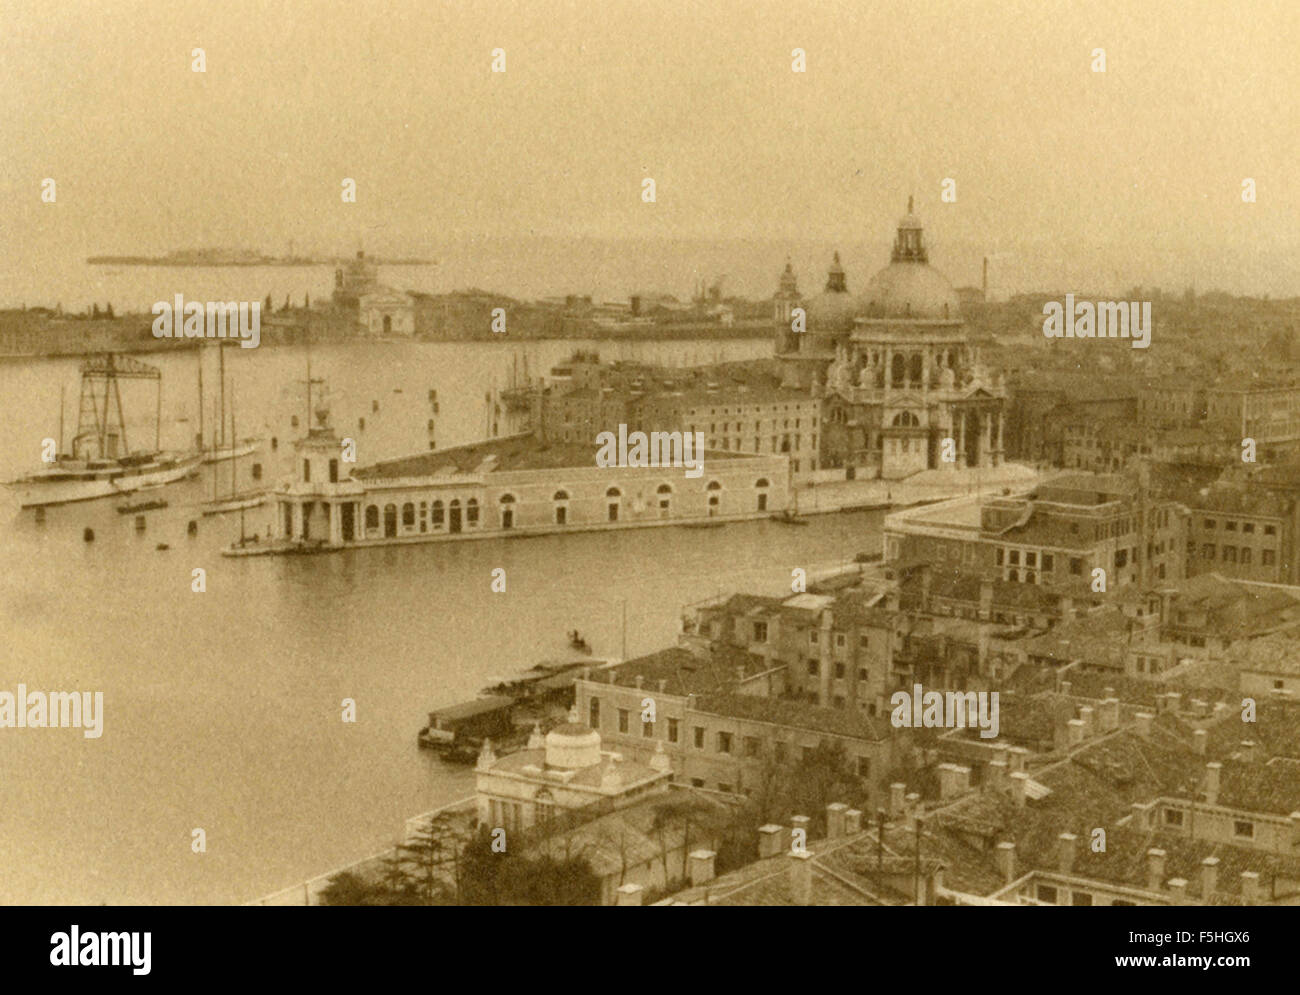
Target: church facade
(902, 388)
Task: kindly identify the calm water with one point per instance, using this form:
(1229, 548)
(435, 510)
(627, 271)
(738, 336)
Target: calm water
(222, 709)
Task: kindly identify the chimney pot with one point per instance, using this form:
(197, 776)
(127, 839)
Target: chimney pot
(771, 840)
(1199, 739)
(1250, 887)
(835, 820)
(1018, 780)
(1076, 731)
(1209, 878)
(1178, 889)
(897, 793)
(1212, 770)
(1248, 750)
(1155, 868)
(799, 822)
(701, 867)
(852, 822)
(1086, 717)
(629, 894)
(800, 872)
(1007, 861)
(1067, 848)
(1143, 720)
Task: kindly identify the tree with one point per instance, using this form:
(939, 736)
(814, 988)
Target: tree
(109, 312)
(95, 312)
(267, 306)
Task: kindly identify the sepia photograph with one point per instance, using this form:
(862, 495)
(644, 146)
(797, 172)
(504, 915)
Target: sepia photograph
(514, 453)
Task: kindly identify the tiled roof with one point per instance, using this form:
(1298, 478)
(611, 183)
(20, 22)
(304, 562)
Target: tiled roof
(685, 672)
(796, 714)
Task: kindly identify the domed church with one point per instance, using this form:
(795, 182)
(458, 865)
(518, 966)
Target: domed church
(893, 367)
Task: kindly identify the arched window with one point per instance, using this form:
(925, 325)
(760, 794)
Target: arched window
(898, 369)
(561, 496)
(916, 368)
(714, 486)
(390, 520)
(761, 485)
(665, 495)
(613, 501)
(905, 419)
(613, 492)
(408, 515)
(424, 516)
(561, 499)
(761, 482)
(471, 512)
(372, 516)
(435, 517)
(714, 490)
(507, 502)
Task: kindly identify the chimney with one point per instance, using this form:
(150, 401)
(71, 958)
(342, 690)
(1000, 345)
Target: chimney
(1086, 716)
(1007, 861)
(1155, 868)
(1108, 714)
(953, 780)
(1065, 687)
(1018, 756)
(799, 822)
(1250, 887)
(640, 680)
(663, 684)
(771, 840)
(1018, 780)
(1212, 782)
(701, 867)
(1076, 731)
(1248, 753)
(986, 600)
(1060, 734)
(897, 793)
(1175, 701)
(852, 822)
(800, 872)
(1209, 878)
(1199, 739)
(1143, 727)
(1178, 890)
(913, 806)
(629, 894)
(1067, 847)
(995, 776)
(1108, 693)
(835, 820)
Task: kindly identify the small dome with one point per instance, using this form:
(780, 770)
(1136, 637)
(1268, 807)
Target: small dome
(572, 747)
(831, 310)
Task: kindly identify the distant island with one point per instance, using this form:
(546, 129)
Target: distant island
(235, 257)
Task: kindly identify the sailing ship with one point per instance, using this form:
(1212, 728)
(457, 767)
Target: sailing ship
(234, 501)
(221, 448)
(101, 463)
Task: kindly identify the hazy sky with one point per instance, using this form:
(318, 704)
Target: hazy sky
(1066, 174)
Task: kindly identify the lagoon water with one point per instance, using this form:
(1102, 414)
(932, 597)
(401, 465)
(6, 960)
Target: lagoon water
(223, 709)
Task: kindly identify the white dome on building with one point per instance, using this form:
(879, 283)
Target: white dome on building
(572, 746)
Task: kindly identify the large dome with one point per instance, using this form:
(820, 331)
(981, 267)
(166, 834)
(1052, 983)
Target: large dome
(910, 289)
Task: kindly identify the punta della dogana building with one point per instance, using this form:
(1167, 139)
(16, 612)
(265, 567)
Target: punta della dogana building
(504, 487)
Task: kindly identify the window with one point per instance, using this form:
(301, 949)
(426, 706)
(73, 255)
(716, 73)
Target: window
(813, 667)
(593, 713)
(1014, 558)
(862, 642)
(1248, 527)
(672, 730)
(864, 767)
(724, 742)
(1207, 551)
(760, 632)
(647, 728)
(1208, 523)
(1229, 554)
(839, 671)
(334, 471)
(306, 471)
(863, 674)
(699, 737)
(751, 746)
(1121, 558)
(1076, 565)
(408, 515)
(1270, 530)
(1267, 557)
(1048, 562)
(1081, 898)
(1046, 894)
(1245, 554)
(372, 516)
(622, 720)
(812, 637)
(665, 492)
(1244, 830)
(1120, 901)
(840, 640)
(1230, 526)
(1173, 817)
